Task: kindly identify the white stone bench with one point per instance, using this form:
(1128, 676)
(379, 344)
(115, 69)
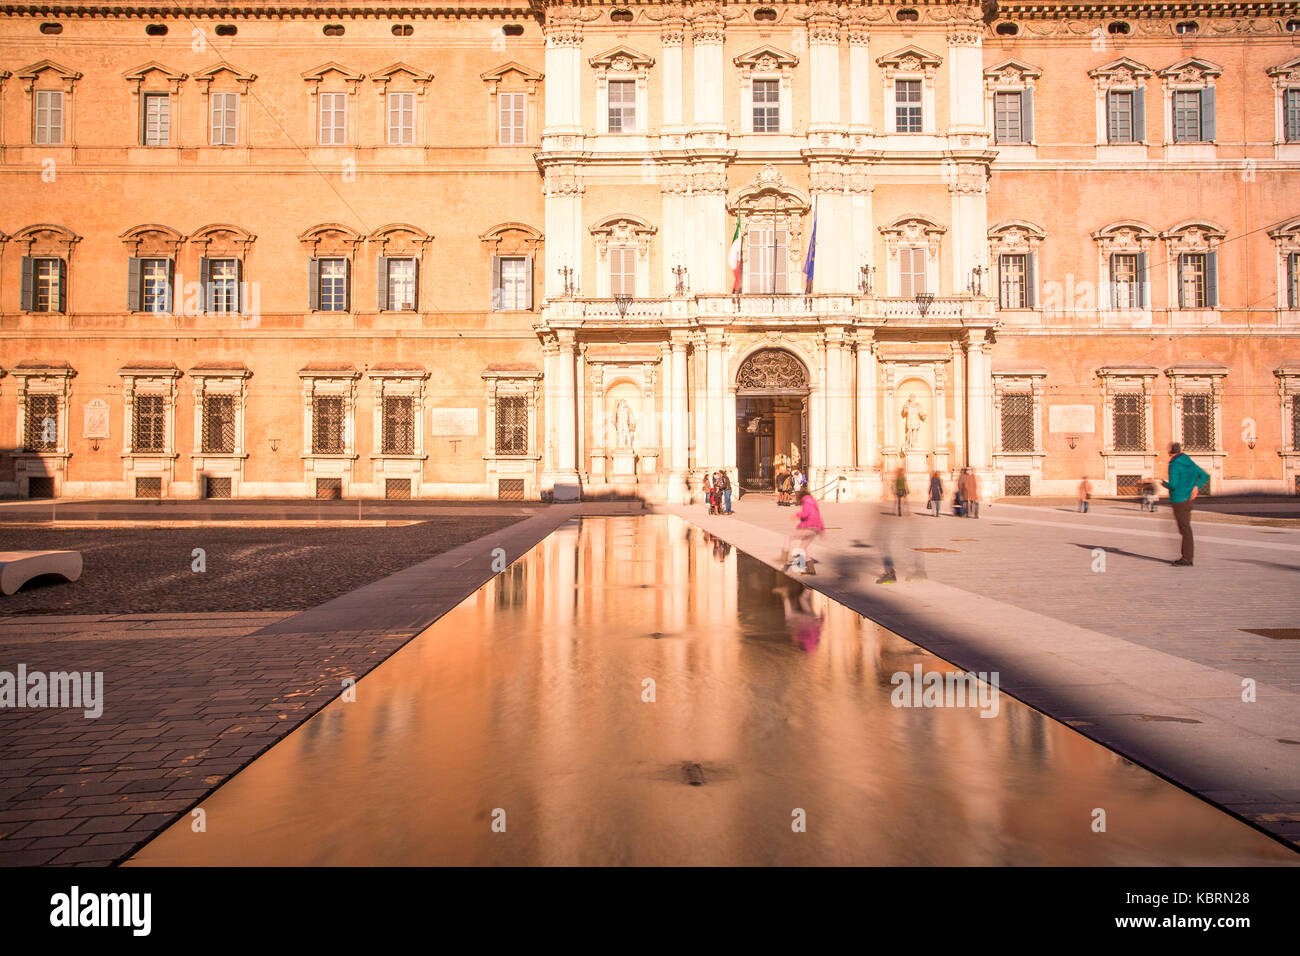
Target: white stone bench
(19, 567)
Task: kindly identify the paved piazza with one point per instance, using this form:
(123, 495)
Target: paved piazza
(1080, 614)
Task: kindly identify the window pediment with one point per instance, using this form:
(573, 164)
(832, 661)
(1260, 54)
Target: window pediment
(154, 73)
(1284, 74)
(913, 230)
(510, 238)
(47, 239)
(1125, 235)
(224, 72)
(766, 59)
(623, 231)
(1287, 236)
(331, 239)
(1014, 74)
(1193, 236)
(512, 75)
(1122, 73)
(153, 240)
(1015, 236)
(402, 74)
(909, 59)
(217, 239)
(37, 71)
(767, 191)
(399, 238)
(331, 72)
(622, 59)
(1192, 71)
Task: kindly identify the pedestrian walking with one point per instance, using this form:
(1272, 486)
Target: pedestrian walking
(1149, 494)
(1185, 479)
(1085, 492)
(808, 528)
(970, 494)
(900, 489)
(936, 492)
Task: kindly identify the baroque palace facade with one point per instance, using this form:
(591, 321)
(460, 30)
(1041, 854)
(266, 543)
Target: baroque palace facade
(379, 249)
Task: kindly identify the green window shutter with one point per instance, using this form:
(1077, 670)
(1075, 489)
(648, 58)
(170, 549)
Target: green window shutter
(1112, 118)
(133, 284)
(1114, 286)
(63, 286)
(528, 282)
(1031, 281)
(313, 284)
(383, 283)
(239, 286)
(1211, 280)
(205, 283)
(347, 285)
(416, 265)
(1144, 280)
(1207, 114)
(27, 295)
(171, 284)
(1293, 281)
(1027, 115)
(496, 283)
(1140, 115)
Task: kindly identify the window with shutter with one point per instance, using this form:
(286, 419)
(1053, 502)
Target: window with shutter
(510, 118)
(1119, 116)
(911, 271)
(47, 293)
(1013, 281)
(333, 289)
(223, 285)
(403, 295)
(1293, 280)
(1124, 281)
(1292, 120)
(1007, 118)
(1187, 116)
(622, 106)
(225, 112)
(766, 105)
(401, 119)
(333, 118)
(48, 122)
(157, 119)
(513, 282)
(622, 271)
(155, 285)
(1191, 280)
(767, 260)
(907, 106)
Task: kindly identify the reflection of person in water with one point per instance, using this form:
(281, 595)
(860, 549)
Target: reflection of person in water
(805, 625)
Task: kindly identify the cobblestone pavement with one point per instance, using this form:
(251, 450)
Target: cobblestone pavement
(191, 698)
(141, 570)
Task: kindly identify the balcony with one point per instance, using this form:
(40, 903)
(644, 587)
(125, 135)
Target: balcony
(793, 308)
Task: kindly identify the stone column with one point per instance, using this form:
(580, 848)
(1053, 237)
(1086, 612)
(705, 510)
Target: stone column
(678, 422)
(940, 416)
(979, 396)
(714, 413)
(966, 80)
(960, 448)
(549, 373)
(710, 94)
(598, 427)
(672, 33)
(566, 441)
(868, 458)
(838, 409)
(563, 77)
(860, 74)
(824, 71)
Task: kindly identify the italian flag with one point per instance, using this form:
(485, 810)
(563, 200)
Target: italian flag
(734, 259)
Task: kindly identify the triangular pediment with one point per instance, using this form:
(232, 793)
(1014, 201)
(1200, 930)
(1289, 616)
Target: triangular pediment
(505, 69)
(212, 72)
(1289, 69)
(321, 72)
(1123, 65)
(398, 68)
(42, 66)
(622, 58)
(1012, 69)
(766, 58)
(1191, 68)
(153, 66)
(910, 57)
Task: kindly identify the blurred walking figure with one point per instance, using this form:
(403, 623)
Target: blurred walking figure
(808, 527)
(970, 493)
(1085, 492)
(797, 480)
(900, 489)
(936, 492)
(1185, 479)
(1148, 494)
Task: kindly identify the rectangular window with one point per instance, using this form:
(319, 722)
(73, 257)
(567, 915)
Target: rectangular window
(622, 106)
(1125, 281)
(48, 129)
(41, 431)
(622, 271)
(333, 118)
(157, 119)
(907, 106)
(911, 271)
(1013, 288)
(1006, 118)
(327, 425)
(1017, 421)
(401, 119)
(219, 424)
(1130, 430)
(1292, 120)
(403, 295)
(147, 428)
(399, 425)
(512, 425)
(1198, 423)
(333, 285)
(223, 285)
(1191, 280)
(47, 285)
(1119, 117)
(155, 285)
(513, 283)
(1187, 116)
(767, 106)
(510, 119)
(224, 127)
(768, 260)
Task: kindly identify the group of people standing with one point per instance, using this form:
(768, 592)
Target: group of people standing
(966, 500)
(789, 482)
(717, 489)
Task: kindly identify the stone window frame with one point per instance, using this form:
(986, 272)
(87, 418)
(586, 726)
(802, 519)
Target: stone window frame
(333, 77)
(1124, 237)
(155, 78)
(1016, 237)
(220, 240)
(1011, 76)
(766, 202)
(37, 378)
(1195, 237)
(1118, 76)
(515, 240)
(152, 241)
(399, 381)
(513, 77)
(912, 230)
(910, 63)
(1283, 77)
(332, 240)
(403, 78)
(47, 241)
(1188, 74)
(234, 81)
(1127, 378)
(767, 63)
(64, 81)
(500, 383)
(1288, 388)
(1026, 381)
(330, 381)
(1286, 242)
(399, 240)
(622, 231)
(622, 63)
(1197, 378)
(147, 379)
(220, 379)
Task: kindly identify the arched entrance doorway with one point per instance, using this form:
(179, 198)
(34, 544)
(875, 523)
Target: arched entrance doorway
(771, 417)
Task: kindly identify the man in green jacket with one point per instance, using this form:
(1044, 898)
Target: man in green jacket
(1185, 479)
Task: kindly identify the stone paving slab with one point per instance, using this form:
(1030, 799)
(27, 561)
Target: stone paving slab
(1129, 659)
(189, 706)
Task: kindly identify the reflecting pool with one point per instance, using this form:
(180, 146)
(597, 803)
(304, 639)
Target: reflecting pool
(634, 691)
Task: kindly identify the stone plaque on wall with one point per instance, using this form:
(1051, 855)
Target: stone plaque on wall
(454, 422)
(1072, 418)
(95, 420)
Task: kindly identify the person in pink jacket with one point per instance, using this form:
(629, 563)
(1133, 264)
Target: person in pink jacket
(808, 527)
